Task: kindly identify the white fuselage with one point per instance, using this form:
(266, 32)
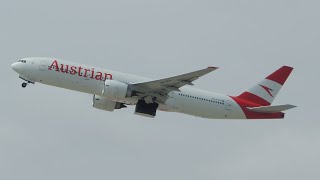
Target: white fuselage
(89, 79)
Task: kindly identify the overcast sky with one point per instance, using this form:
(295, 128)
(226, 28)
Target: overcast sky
(51, 133)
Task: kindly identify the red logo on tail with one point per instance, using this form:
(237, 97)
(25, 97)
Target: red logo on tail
(269, 90)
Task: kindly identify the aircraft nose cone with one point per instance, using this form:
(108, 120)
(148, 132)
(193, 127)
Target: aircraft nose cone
(16, 67)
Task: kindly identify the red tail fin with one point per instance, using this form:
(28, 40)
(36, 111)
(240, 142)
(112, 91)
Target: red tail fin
(266, 91)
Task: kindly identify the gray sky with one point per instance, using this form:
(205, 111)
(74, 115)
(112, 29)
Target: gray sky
(50, 133)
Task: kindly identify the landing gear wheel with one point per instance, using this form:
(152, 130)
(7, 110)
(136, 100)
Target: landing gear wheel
(24, 85)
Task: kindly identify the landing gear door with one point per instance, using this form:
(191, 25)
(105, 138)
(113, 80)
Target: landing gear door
(43, 65)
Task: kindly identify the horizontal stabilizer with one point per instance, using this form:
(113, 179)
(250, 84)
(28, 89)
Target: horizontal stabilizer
(271, 109)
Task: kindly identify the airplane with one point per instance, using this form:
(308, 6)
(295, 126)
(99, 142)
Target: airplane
(114, 90)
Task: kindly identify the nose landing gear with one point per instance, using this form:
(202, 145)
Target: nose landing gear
(24, 85)
(27, 81)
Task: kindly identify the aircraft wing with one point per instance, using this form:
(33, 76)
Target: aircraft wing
(164, 86)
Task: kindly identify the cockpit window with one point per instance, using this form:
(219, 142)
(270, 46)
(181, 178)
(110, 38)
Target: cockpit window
(23, 61)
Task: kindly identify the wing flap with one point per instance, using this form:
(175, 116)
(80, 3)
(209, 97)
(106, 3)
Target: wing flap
(271, 109)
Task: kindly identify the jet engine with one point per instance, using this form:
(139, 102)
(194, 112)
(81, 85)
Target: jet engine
(106, 104)
(116, 90)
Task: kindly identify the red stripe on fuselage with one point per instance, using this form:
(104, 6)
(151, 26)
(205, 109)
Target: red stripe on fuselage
(255, 115)
(247, 96)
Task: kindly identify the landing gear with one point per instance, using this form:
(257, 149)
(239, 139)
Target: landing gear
(144, 109)
(26, 81)
(24, 84)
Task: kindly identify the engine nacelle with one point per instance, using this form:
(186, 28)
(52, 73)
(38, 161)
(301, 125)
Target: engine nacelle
(106, 104)
(115, 90)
